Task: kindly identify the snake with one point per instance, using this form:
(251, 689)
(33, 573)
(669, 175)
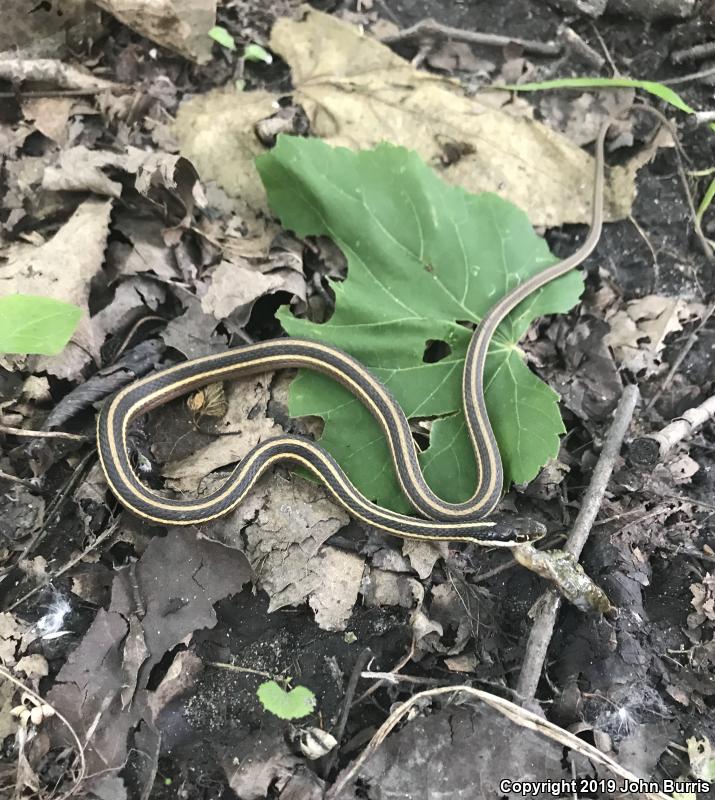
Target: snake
(471, 521)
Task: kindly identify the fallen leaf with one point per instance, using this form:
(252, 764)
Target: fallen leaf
(334, 599)
(193, 333)
(424, 555)
(180, 25)
(39, 31)
(235, 286)
(79, 247)
(50, 116)
(464, 663)
(180, 677)
(638, 332)
(12, 631)
(357, 93)
(284, 541)
(438, 258)
(244, 425)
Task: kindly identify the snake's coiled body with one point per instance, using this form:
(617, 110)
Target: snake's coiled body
(467, 521)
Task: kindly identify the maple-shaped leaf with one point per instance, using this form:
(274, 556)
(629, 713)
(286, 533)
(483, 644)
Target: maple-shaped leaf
(426, 261)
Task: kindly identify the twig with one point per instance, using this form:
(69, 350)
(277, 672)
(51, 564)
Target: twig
(6, 476)
(432, 28)
(72, 437)
(516, 714)
(400, 664)
(695, 53)
(51, 70)
(41, 701)
(579, 47)
(679, 158)
(360, 664)
(395, 678)
(542, 629)
(694, 76)
(73, 562)
(649, 450)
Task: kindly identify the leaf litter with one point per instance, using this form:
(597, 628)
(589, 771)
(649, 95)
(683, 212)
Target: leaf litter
(173, 246)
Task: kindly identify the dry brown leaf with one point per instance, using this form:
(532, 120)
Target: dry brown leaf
(63, 268)
(235, 286)
(248, 425)
(638, 332)
(283, 544)
(50, 116)
(181, 676)
(383, 588)
(424, 555)
(357, 93)
(333, 600)
(180, 25)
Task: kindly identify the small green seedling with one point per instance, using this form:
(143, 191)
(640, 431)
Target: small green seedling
(223, 37)
(34, 325)
(254, 52)
(295, 704)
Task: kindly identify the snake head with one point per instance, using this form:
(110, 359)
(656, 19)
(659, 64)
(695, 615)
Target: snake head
(509, 527)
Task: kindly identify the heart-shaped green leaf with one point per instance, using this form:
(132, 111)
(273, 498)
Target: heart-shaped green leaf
(297, 703)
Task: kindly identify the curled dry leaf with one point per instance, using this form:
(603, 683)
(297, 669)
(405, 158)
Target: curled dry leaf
(235, 286)
(638, 332)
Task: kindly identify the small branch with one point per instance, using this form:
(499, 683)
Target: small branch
(51, 70)
(430, 28)
(543, 627)
(72, 437)
(649, 450)
(360, 664)
(6, 476)
(696, 53)
(394, 678)
(694, 76)
(579, 47)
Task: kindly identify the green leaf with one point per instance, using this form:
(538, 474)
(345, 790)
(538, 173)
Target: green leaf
(297, 703)
(223, 37)
(652, 87)
(254, 52)
(706, 201)
(30, 324)
(423, 258)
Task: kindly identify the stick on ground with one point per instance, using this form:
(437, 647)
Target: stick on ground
(543, 626)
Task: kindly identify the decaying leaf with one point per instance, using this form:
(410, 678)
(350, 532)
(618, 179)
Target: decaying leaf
(244, 425)
(180, 25)
(357, 93)
(235, 286)
(176, 582)
(78, 247)
(638, 332)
